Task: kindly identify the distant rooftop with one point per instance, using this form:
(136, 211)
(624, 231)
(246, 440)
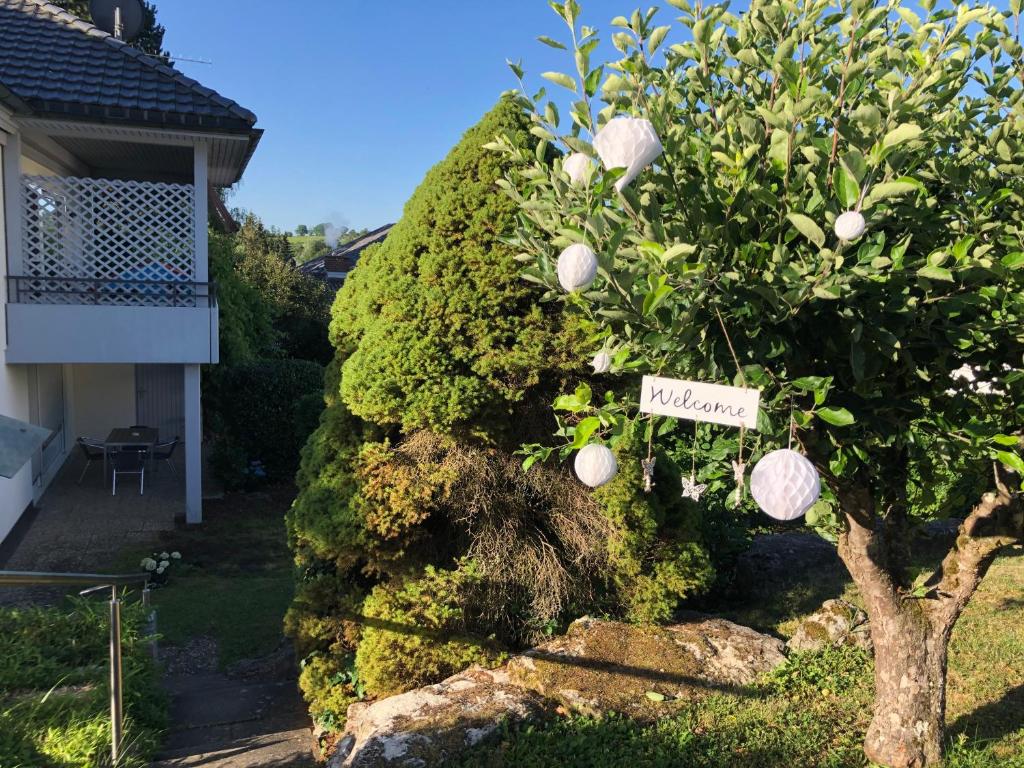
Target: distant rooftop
(54, 65)
(342, 259)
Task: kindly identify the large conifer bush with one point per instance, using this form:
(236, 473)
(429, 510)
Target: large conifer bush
(423, 544)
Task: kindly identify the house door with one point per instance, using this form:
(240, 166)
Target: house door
(160, 398)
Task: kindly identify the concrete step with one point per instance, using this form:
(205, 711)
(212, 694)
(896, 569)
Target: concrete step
(283, 749)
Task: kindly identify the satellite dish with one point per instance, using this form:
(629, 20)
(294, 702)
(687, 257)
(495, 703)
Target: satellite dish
(121, 18)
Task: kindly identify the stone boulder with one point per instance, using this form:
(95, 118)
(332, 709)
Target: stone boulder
(836, 623)
(430, 725)
(600, 666)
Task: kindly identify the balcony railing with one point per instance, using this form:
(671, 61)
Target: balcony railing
(23, 289)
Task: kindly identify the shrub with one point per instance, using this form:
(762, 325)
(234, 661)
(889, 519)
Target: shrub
(261, 411)
(410, 485)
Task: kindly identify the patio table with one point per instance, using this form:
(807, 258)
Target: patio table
(122, 437)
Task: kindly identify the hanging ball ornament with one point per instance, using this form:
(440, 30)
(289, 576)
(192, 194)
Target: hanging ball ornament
(602, 362)
(595, 465)
(577, 267)
(627, 142)
(577, 166)
(849, 225)
(784, 484)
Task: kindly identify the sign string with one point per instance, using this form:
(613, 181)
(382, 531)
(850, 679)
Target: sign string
(739, 467)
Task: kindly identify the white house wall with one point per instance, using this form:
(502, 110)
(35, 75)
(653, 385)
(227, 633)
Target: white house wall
(15, 493)
(102, 398)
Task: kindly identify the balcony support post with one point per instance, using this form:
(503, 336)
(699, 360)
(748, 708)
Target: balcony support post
(193, 445)
(201, 181)
(13, 192)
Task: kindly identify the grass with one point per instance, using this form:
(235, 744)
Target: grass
(812, 712)
(235, 579)
(54, 704)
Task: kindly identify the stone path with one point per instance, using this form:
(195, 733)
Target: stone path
(251, 717)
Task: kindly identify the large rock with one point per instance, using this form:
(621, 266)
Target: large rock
(430, 725)
(606, 665)
(836, 623)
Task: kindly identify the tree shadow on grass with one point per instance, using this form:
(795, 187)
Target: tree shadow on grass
(993, 720)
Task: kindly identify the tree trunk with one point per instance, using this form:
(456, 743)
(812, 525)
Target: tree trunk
(908, 726)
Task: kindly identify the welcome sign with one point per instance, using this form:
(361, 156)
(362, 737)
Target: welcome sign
(699, 401)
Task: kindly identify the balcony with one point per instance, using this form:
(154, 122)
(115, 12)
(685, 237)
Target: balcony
(108, 273)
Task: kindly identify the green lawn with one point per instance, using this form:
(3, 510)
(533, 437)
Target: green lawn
(811, 713)
(235, 579)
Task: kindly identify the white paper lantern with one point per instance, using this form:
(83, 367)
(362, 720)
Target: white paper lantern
(784, 484)
(602, 362)
(627, 142)
(595, 465)
(849, 225)
(577, 267)
(577, 166)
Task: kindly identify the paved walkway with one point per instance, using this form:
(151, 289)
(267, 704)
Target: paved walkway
(250, 717)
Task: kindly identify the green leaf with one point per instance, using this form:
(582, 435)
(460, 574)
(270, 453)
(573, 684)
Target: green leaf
(1014, 260)
(933, 272)
(806, 226)
(811, 383)
(655, 696)
(560, 78)
(657, 38)
(584, 430)
(839, 417)
(1012, 460)
(679, 249)
(655, 298)
(889, 189)
(846, 187)
(551, 43)
(900, 135)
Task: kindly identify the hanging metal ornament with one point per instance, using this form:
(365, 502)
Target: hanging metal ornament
(648, 467)
(692, 489)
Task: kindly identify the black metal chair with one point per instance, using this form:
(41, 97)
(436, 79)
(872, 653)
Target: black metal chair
(165, 452)
(129, 462)
(93, 450)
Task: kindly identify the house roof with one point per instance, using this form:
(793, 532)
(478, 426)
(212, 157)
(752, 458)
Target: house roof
(344, 257)
(53, 64)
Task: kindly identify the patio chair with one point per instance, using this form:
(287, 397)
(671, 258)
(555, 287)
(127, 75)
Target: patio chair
(165, 451)
(129, 462)
(93, 451)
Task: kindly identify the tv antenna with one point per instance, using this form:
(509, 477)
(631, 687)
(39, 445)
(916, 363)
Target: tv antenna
(121, 18)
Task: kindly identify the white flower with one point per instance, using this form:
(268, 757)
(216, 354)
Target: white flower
(577, 267)
(164, 555)
(176, 555)
(602, 362)
(160, 570)
(577, 166)
(149, 564)
(627, 142)
(849, 225)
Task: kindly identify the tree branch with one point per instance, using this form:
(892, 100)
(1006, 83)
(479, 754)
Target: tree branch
(864, 550)
(995, 522)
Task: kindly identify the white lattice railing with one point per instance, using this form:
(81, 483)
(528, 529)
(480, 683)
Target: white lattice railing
(102, 241)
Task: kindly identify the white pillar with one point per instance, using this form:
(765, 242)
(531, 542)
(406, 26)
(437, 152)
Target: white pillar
(12, 203)
(201, 181)
(193, 446)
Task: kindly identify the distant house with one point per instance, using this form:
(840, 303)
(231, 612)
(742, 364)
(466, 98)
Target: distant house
(334, 267)
(110, 159)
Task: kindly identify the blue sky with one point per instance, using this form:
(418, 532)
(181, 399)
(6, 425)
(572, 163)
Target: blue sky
(359, 97)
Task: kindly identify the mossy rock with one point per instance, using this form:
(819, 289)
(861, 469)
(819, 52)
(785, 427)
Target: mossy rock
(601, 666)
(435, 724)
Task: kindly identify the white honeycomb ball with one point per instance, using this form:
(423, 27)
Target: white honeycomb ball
(577, 267)
(627, 142)
(577, 166)
(784, 484)
(849, 225)
(602, 362)
(595, 465)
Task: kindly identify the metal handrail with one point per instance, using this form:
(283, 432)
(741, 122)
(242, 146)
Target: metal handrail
(94, 287)
(96, 582)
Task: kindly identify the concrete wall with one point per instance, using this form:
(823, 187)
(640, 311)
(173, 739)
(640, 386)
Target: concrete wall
(102, 397)
(16, 493)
